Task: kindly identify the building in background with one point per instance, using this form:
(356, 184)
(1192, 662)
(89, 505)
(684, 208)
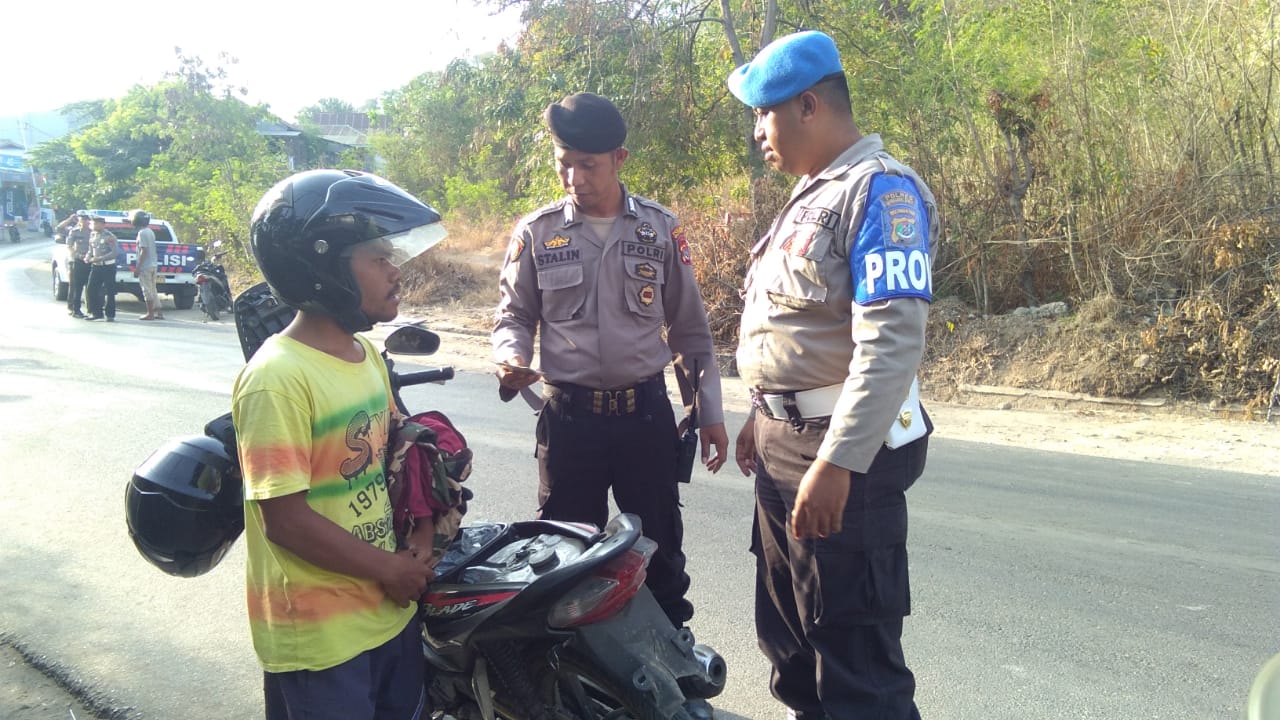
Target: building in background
(18, 191)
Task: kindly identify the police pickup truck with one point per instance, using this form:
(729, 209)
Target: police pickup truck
(174, 261)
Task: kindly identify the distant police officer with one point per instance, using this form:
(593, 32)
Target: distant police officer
(598, 275)
(101, 258)
(832, 336)
(76, 231)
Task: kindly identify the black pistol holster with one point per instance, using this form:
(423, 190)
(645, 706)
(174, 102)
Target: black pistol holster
(687, 446)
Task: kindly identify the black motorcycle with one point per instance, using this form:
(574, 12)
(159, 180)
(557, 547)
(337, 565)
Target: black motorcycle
(213, 290)
(15, 235)
(532, 620)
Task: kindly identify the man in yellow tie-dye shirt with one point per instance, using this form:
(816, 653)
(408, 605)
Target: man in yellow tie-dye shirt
(331, 600)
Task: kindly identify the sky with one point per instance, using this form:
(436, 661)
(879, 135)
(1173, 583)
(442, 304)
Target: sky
(291, 54)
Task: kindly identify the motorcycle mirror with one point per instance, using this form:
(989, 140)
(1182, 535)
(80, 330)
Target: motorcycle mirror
(412, 340)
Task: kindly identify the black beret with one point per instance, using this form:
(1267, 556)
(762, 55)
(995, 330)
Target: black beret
(587, 123)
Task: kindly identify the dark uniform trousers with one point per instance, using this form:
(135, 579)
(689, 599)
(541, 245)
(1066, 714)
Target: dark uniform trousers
(102, 290)
(79, 278)
(588, 444)
(829, 610)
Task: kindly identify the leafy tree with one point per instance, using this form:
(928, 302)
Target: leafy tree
(325, 105)
(185, 148)
(71, 184)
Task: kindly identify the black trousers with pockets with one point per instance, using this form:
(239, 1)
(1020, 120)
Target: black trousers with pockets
(78, 278)
(102, 290)
(829, 610)
(582, 455)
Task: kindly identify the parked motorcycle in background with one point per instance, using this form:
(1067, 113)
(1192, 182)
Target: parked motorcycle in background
(11, 228)
(213, 289)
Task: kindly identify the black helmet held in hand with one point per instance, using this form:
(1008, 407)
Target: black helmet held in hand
(305, 227)
(184, 506)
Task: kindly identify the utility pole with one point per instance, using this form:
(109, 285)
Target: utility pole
(36, 190)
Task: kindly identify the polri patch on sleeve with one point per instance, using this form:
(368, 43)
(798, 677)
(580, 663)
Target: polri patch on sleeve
(682, 245)
(516, 249)
(890, 257)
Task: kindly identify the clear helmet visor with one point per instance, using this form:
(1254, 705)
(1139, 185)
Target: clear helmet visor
(400, 248)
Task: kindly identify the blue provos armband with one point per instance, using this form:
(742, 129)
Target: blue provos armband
(891, 256)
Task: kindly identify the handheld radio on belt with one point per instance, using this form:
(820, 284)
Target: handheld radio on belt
(687, 449)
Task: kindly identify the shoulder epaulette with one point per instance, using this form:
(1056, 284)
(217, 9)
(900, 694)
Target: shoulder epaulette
(651, 204)
(548, 209)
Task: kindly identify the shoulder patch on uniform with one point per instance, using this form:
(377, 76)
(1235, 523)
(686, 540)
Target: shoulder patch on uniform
(516, 249)
(891, 257)
(682, 245)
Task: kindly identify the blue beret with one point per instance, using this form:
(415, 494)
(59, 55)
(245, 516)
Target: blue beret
(785, 68)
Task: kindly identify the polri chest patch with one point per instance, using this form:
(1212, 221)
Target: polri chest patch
(631, 248)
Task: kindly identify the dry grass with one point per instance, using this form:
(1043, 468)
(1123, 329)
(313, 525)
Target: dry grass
(1219, 342)
(462, 270)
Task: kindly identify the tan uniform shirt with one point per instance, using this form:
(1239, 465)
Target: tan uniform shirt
(599, 306)
(802, 326)
(102, 248)
(78, 242)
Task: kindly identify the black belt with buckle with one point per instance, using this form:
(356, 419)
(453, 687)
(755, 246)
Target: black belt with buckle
(619, 402)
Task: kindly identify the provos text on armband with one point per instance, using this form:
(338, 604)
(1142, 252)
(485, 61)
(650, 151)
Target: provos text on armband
(898, 272)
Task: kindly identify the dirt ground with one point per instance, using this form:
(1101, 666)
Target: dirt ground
(992, 383)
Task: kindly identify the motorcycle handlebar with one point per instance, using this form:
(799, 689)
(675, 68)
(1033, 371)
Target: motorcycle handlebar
(436, 375)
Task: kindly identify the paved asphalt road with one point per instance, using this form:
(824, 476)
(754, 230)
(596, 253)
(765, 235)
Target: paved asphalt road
(1045, 585)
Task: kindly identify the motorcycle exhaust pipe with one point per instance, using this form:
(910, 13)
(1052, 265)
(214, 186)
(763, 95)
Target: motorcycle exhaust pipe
(710, 682)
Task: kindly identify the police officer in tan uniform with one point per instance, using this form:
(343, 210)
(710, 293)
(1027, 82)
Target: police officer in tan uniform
(77, 231)
(597, 276)
(101, 258)
(832, 335)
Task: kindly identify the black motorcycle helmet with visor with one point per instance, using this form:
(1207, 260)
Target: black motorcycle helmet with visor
(184, 507)
(304, 229)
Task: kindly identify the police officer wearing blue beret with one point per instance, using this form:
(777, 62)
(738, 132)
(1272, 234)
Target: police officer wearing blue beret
(832, 335)
(604, 279)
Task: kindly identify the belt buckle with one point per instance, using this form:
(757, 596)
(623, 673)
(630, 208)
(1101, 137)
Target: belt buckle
(757, 400)
(611, 402)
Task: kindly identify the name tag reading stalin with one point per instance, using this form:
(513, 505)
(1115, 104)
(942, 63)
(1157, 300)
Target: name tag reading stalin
(552, 258)
(891, 256)
(650, 252)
